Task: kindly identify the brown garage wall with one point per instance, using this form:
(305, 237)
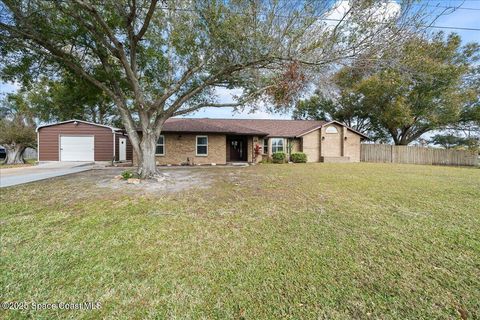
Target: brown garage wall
(49, 138)
(179, 147)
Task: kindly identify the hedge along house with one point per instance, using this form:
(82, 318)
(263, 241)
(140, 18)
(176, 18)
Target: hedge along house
(77, 140)
(221, 141)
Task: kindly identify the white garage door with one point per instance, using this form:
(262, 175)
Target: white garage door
(77, 148)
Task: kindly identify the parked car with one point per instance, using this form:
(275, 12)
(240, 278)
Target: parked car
(3, 153)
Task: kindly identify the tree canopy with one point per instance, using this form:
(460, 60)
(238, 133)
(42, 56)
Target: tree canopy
(69, 97)
(407, 95)
(156, 60)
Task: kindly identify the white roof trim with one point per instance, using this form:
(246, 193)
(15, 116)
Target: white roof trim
(353, 130)
(86, 122)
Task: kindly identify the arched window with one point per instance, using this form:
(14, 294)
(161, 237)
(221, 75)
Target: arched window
(331, 129)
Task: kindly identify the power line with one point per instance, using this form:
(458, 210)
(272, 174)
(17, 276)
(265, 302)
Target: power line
(322, 18)
(453, 28)
(449, 7)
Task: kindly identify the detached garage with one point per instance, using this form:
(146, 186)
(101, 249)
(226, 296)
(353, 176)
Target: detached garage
(77, 140)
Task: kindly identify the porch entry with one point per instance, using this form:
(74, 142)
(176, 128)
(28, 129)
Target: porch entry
(236, 148)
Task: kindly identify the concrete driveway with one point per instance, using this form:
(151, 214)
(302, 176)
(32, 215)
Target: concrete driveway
(14, 176)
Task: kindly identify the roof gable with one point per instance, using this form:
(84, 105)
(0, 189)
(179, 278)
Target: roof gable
(81, 121)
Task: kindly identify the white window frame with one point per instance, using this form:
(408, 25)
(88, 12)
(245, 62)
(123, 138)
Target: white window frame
(331, 130)
(200, 145)
(263, 146)
(283, 144)
(159, 144)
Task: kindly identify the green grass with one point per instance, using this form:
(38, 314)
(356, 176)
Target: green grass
(333, 241)
(28, 163)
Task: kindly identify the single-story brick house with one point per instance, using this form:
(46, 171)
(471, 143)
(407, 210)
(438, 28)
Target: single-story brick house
(203, 141)
(220, 141)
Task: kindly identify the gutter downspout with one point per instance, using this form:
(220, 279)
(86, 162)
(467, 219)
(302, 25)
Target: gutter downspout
(114, 151)
(38, 147)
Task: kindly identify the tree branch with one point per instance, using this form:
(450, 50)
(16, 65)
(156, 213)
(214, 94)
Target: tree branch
(121, 52)
(186, 76)
(146, 23)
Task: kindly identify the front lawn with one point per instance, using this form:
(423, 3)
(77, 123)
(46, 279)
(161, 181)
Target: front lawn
(265, 242)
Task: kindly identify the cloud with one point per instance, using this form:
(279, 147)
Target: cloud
(381, 12)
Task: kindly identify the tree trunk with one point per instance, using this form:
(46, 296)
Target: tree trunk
(147, 167)
(14, 154)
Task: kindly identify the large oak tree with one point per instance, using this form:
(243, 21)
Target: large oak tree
(421, 88)
(163, 59)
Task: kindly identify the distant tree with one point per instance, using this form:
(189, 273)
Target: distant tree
(451, 141)
(17, 128)
(469, 124)
(69, 97)
(421, 89)
(465, 134)
(346, 108)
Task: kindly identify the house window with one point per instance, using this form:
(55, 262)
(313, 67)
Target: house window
(331, 129)
(202, 145)
(160, 149)
(277, 145)
(265, 146)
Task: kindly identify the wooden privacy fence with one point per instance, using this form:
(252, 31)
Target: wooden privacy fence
(416, 155)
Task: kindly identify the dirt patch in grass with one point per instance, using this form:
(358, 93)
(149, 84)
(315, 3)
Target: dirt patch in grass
(171, 181)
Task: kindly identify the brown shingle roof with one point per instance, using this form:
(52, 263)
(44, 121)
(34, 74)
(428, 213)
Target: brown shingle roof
(261, 127)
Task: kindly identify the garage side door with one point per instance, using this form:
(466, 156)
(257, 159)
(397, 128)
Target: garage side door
(77, 148)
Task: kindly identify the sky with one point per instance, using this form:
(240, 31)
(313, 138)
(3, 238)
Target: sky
(468, 16)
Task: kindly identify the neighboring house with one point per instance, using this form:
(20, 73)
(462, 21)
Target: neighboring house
(203, 141)
(77, 140)
(220, 141)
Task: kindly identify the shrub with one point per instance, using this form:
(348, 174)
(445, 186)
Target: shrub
(127, 174)
(266, 159)
(298, 157)
(279, 157)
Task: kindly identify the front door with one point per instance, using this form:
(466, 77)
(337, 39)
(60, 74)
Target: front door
(237, 148)
(123, 149)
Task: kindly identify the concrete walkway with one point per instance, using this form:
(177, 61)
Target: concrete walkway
(15, 176)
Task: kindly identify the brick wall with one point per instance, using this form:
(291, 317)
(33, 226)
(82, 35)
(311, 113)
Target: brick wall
(332, 142)
(311, 146)
(179, 147)
(352, 146)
